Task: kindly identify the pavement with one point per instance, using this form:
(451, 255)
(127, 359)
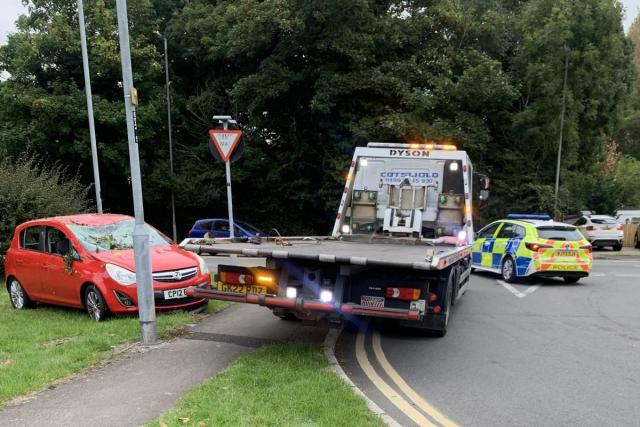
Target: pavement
(609, 253)
(144, 383)
(538, 353)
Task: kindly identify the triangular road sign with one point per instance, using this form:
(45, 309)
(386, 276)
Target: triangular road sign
(225, 141)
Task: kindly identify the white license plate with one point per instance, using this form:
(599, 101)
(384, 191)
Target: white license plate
(371, 301)
(175, 293)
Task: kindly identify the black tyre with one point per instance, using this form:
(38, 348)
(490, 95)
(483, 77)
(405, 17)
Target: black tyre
(636, 241)
(571, 279)
(18, 296)
(617, 247)
(95, 304)
(508, 270)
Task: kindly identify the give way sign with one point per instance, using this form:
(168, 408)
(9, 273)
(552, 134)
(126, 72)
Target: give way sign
(225, 141)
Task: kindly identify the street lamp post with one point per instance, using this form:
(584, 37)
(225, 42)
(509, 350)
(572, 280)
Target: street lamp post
(173, 202)
(146, 303)
(564, 98)
(87, 89)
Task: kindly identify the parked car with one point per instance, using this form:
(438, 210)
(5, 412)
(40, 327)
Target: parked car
(601, 231)
(532, 245)
(218, 227)
(86, 261)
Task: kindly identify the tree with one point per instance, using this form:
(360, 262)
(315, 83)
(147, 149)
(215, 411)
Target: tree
(31, 189)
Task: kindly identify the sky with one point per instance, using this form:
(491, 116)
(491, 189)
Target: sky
(10, 9)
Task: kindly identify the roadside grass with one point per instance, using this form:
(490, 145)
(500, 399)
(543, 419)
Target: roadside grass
(40, 346)
(281, 385)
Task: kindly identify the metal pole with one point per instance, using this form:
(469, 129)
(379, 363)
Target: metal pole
(173, 202)
(227, 165)
(87, 89)
(564, 96)
(146, 303)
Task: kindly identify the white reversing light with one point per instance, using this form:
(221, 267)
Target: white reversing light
(453, 166)
(326, 295)
(364, 162)
(292, 292)
(462, 235)
(346, 229)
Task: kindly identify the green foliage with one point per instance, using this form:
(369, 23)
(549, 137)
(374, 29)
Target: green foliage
(31, 189)
(310, 79)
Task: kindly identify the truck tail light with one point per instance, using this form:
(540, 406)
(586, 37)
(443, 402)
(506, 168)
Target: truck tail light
(537, 246)
(405, 294)
(432, 297)
(265, 279)
(236, 278)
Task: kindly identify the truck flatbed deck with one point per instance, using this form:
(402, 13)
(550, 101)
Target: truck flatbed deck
(417, 255)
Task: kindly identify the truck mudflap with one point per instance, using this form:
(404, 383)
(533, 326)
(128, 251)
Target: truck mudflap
(301, 304)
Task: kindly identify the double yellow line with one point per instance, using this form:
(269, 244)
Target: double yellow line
(439, 419)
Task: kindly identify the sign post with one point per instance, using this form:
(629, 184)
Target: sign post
(226, 140)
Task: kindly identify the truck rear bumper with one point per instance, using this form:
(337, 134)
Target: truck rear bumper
(300, 304)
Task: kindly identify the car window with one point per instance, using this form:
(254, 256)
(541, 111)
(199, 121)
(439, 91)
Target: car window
(57, 242)
(32, 238)
(506, 231)
(603, 221)
(205, 225)
(115, 236)
(564, 233)
(221, 226)
(581, 221)
(519, 231)
(488, 231)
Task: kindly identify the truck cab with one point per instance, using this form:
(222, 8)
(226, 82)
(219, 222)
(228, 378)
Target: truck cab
(418, 190)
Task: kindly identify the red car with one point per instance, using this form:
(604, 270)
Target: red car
(86, 261)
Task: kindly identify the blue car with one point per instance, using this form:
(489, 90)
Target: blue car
(219, 227)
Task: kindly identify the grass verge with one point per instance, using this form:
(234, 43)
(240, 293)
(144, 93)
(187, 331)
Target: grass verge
(40, 346)
(281, 385)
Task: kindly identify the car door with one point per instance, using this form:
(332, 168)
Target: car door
(61, 282)
(28, 260)
(483, 245)
(501, 242)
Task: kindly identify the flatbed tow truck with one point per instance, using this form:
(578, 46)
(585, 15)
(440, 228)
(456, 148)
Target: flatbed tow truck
(400, 246)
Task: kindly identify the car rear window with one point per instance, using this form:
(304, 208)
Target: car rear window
(569, 234)
(603, 221)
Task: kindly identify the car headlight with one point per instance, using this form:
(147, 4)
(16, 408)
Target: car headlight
(121, 275)
(202, 265)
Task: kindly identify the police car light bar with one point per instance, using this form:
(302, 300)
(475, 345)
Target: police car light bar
(543, 217)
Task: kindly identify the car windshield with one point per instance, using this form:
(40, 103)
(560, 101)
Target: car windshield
(603, 221)
(249, 228)
(559, 233)
(109, 237)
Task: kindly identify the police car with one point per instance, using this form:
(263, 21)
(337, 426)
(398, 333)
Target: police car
(532, 245)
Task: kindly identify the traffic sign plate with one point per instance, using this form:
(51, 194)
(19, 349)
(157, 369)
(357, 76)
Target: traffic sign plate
(225, 141)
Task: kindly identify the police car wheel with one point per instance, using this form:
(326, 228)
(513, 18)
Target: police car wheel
(508, 270)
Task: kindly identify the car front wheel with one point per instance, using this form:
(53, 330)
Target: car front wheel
(19, 298)
(95, 304)
(508, 270)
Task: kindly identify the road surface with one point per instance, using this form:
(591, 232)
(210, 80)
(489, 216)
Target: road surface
(542, 353)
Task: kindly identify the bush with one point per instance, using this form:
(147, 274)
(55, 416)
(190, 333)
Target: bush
(31, 189)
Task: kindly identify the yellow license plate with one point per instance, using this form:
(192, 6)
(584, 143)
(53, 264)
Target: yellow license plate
(242, 289)
(566, 253)
(561, 267)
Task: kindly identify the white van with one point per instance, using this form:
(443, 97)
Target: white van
(628, 216)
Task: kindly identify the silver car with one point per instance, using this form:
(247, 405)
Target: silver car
(601, 231)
